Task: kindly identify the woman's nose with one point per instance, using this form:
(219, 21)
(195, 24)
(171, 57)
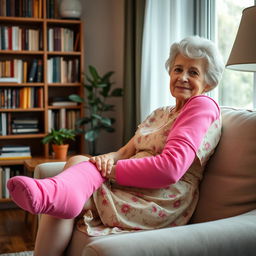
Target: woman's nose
(183, 77)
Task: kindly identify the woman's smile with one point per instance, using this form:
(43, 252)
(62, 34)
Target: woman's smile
(180, 87)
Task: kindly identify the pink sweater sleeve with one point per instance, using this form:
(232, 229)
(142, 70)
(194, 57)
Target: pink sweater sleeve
(179, 152)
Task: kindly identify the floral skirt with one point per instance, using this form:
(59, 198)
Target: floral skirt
(124, 209)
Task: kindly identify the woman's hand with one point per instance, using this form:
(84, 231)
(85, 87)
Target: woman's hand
(105, 162)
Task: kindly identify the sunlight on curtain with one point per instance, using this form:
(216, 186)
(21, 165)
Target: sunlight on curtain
(166, 21)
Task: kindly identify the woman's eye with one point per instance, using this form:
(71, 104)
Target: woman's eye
(177, 70)
(193, 73)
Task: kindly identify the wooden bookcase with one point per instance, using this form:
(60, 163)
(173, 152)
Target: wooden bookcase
(64, 66)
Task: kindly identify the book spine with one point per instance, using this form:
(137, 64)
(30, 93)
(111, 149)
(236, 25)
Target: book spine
(32, 72)
(39, 71)
(1, 182)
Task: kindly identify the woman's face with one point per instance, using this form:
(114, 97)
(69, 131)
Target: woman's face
(187, 77)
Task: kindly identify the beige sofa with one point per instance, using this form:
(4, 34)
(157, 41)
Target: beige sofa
(224, 222)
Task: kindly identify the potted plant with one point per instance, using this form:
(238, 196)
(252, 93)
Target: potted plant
(59, 139)
(98, 91)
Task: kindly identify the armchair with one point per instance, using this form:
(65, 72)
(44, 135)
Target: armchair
(224, 222)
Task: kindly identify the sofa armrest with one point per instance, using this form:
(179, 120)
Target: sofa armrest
(230, 236)
(48, 169)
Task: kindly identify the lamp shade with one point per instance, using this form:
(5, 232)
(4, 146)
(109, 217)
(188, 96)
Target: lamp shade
(243, 53)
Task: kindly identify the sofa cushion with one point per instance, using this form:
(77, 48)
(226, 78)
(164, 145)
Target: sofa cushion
(229, 184)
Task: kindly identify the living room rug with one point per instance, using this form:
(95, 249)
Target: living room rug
(27, 253)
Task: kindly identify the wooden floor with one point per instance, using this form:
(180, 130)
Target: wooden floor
(15, 234)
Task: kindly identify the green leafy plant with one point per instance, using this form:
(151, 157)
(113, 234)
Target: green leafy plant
(98, 90)
(59, 137)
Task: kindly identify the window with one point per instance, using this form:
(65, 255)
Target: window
(236, 88)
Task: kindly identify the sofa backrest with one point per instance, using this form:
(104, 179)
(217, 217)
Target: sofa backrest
(228, 187)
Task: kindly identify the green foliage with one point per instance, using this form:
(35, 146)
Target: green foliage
(98, 90)
(59, 137)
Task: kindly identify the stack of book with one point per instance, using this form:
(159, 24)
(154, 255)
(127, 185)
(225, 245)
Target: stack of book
(14, 152)
(23, 126)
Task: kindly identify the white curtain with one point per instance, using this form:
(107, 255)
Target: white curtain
(166, 21)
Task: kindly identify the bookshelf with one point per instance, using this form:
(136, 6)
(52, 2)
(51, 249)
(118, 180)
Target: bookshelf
(41, 64)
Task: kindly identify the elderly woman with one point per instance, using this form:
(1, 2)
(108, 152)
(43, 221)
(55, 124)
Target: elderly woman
(151, 182)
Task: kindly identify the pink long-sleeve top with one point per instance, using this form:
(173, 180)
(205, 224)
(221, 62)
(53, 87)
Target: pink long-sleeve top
(179, 152)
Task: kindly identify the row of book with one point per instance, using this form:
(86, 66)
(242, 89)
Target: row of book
(21, 8)
(20, 38)
(52, 10)
(26, 97)
(21, 71)
(61, 39)
(17, 126)
(63, 118)
(61, 70)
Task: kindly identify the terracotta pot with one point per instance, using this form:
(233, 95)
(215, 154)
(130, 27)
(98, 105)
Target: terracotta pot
(60, 151)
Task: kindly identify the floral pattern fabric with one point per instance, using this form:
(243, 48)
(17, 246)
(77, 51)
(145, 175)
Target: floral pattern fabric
(123, 209)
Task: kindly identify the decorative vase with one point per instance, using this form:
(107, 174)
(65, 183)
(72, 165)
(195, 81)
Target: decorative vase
(60, 151)
(70, 9)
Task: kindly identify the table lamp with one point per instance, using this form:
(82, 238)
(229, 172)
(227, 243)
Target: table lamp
(243, 53)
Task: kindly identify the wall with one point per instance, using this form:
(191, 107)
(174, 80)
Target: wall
(103, 45)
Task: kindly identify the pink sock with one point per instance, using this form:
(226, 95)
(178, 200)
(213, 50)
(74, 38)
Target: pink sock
(62, 196)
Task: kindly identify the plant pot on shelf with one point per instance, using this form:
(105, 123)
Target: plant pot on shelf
(60, 151)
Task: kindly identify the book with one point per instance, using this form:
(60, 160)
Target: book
(8, 80)
(15, 154)
(25, 130)
(4, 123)
(62, 118)
(15, 157)
(1, 182)
(25, 125)
(14, 148)
(7, 171)
(39, 71)
(64, 103)
(50, 121)
(32, 72)
(25, 121)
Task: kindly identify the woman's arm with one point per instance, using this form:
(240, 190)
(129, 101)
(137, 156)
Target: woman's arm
(179, 152)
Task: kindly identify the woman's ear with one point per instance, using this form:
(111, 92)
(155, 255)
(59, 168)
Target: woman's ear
(207, 88)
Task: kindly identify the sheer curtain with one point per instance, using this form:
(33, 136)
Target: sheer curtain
(165, 22)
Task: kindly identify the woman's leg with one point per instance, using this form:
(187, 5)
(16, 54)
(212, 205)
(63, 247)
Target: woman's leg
(53, 233)
(53, 236)
(62, 196)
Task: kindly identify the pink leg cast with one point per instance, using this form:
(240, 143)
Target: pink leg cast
(62, 196)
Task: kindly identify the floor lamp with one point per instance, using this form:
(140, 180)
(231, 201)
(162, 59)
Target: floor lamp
(243, 53)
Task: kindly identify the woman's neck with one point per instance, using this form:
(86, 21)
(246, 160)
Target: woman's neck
(179, 105)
